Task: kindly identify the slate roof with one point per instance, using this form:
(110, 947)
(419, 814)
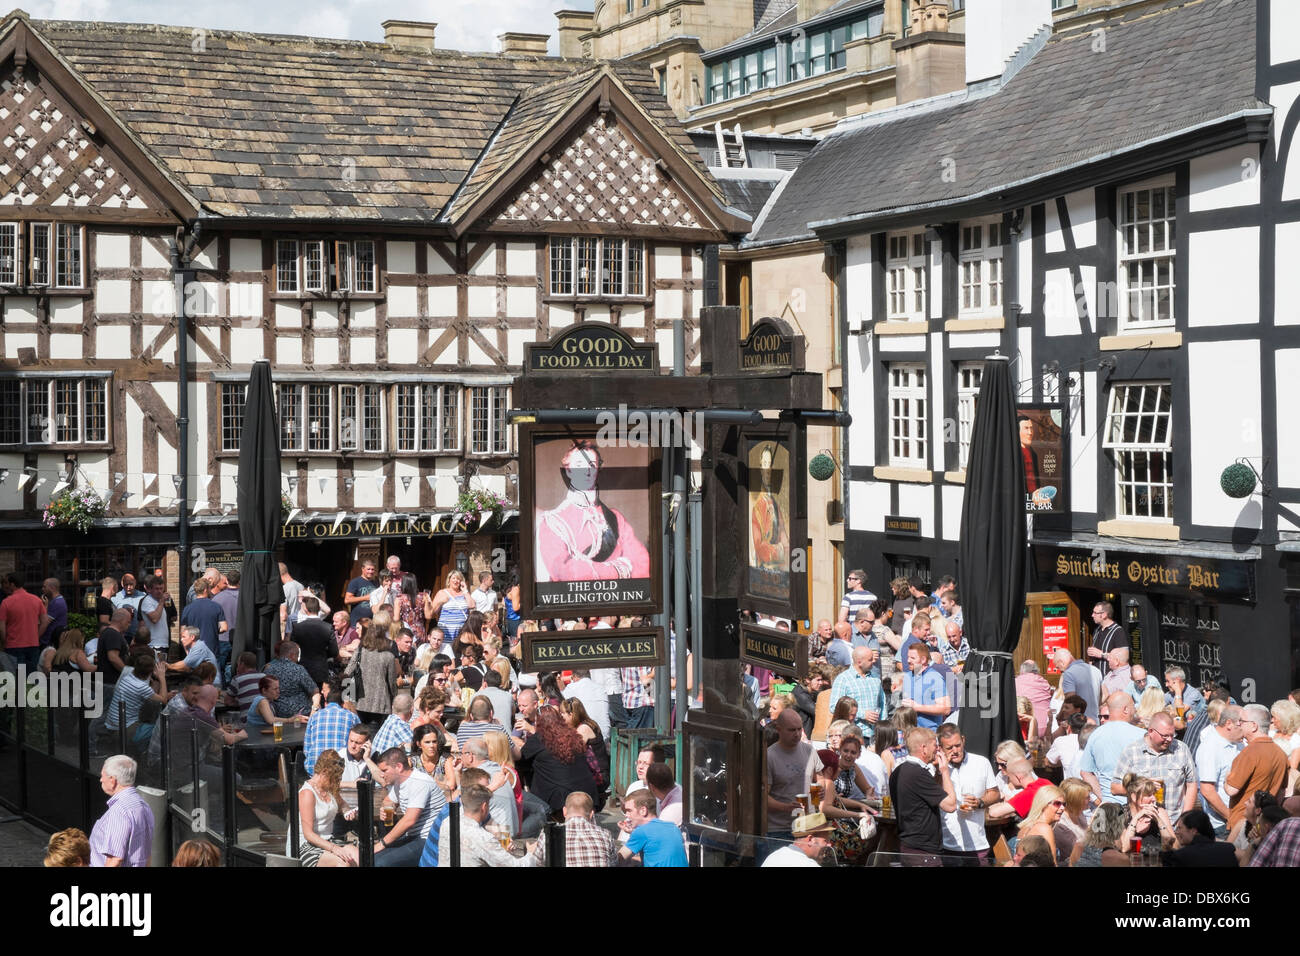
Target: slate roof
(1163, 71)
(279, 127)
(749, 193)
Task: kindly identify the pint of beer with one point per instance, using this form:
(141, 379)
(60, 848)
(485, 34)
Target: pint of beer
(815, 791)
(386, 815)
(278, 730)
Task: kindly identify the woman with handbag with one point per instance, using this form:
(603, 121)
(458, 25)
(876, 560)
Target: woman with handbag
(844, 791)
(372, 674)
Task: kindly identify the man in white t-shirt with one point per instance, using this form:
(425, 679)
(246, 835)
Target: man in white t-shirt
(791, 764)
(418, 800)
(1065, 750)
(484, 598)
(154, 612)
(976, 787)
(812, 837)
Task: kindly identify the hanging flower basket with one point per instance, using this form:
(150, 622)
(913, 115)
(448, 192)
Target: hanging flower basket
(74, 508)
(473, 503)
(286, 506)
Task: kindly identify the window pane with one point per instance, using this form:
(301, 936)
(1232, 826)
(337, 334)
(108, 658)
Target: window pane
(451, 419)
(349, 422)
(40, 254)
(66, 416)
(314, 267)
(364, 263)
(587, 267)
(67, 255)
(11, 412)
(290, 417)
(500, 429)
(320, 435)
(561, 267)
(286, 266)
(479, 410)
(429, 405)
(406, 418)
(612, 271)
(635, 267)
(96, 409)
(232, 415)
(372, 417)
(9, 253)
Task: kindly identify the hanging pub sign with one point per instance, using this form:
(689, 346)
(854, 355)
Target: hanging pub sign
(591, 347)
(777, 650)
(1043, 453)
(589, 524)
(1176, 574)
(775, 536)
(604, 647)
(771, 346)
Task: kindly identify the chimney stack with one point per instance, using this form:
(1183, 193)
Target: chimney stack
(523, 44)
(573, 25)
(930, 60)
(414, 36)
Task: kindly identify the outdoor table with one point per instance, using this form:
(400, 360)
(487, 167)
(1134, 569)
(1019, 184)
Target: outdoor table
(292, 739)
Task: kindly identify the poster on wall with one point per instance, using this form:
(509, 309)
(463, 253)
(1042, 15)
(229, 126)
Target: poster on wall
(1056, 632)
(1043, 453)
(775, 546)
(590, 524)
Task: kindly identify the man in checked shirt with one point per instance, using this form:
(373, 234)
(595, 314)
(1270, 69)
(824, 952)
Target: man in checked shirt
(586, 843)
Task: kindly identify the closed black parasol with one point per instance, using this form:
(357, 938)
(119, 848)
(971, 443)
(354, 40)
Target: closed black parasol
(991, 559)
(260, 591)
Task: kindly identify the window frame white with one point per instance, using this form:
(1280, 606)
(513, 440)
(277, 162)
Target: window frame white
(282, 274)
(11, 234)
(370, 285)
(362, 438)
(969, 377)
(907, 402)
(906, 276)
(422, 393)
(980, 252)
(1128, 322)
(315, 279)
(497, 429)
(567, 255)
(232, 413)
(45, 392)
(1125, 453)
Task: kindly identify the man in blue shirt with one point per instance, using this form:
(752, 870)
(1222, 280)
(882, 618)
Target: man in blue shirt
(924, 689)
(327, 728)
(1107, 743)
(658, 842)
(196, 652)
(205, 614)
(859, 683)
(357, 598)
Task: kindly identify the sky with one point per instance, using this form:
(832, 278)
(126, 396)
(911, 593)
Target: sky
(470, 25)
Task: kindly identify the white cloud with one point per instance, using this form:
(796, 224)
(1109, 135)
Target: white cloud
(470, 26)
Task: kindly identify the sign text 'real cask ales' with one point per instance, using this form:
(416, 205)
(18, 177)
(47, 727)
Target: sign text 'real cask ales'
(607, 647)
(777, 650)
(590, 348)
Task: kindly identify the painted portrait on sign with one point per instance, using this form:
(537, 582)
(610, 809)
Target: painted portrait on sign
(769, 520)
(593, 537)
(1042, 454)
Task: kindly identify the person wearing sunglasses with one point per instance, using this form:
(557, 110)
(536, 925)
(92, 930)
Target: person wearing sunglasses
(1048, 805)
(1261, 765)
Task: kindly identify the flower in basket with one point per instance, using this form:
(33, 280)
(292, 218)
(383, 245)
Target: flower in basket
(74, 508)
(286, 506)
(473, 503)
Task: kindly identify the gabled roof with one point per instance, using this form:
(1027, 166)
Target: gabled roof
(265, 127)
(1188, 66)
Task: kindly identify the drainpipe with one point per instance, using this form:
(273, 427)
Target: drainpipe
(182, 248)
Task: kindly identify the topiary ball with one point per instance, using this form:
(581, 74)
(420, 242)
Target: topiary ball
(1237, 481)
(821, 466)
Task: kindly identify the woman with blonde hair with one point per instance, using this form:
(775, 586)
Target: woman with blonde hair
(1151, 703)
(1284, 727)
(1044, 812)
(70, 847)
(451, 606)
(1144, 818)
(498, 748)
(1003, 754)
(1100, 845)
(835, 733)
(778, 703)
(319, 802)
(1028, 722)
(69, 657)
(1072, 826)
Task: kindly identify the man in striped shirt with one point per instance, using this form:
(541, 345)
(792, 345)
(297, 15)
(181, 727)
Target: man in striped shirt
(856, 597)
(638, 696)
(123, 836)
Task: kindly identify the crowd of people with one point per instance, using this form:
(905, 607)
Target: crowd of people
(1111, 767)
(421, 691)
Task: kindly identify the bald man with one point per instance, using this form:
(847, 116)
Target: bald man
(1118, 675)
(1106, 746)
(839, 653)
(857, 682)
(1161, 756)
(791, 764)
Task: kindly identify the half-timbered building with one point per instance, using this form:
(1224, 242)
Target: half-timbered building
(1114, 211)
(389, 224)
